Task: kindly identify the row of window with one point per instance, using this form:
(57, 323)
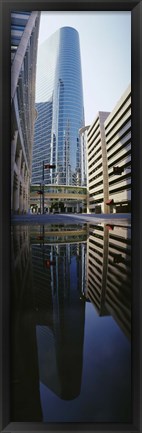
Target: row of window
(100, 191)
(95, 162)
(92, 140)
(120, 132)
(95, 169)
(116, 113)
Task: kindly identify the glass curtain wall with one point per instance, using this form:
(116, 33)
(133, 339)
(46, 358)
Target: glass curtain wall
(60, 112)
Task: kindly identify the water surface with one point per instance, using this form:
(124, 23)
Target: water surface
(71, 323)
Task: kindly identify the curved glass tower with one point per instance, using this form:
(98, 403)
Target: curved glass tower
(59, 86)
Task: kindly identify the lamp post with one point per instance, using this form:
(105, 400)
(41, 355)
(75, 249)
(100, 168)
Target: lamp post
(40, 192)
(43, 187)
(44, 166)
(40, 199)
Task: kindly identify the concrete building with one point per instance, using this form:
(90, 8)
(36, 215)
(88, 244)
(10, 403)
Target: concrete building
(97, 176)
(24, 38)
(109, 159)
(59, 102)
(118, 144)
(83, 153)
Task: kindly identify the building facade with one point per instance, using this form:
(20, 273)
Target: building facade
(109, 159)
(24, 38)
(59, 102)
(118, 144)
(83, 155)
(97, 177)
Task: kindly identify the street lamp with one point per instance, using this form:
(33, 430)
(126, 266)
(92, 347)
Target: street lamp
(45, 166)
(40, 192)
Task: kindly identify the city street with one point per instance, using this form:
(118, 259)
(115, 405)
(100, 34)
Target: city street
(117, 219)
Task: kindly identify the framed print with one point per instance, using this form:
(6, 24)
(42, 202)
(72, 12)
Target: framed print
(71, 216)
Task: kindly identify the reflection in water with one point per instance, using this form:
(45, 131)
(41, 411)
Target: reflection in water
(25, 396)
(55, 271)
(109, 273)
(58, 278)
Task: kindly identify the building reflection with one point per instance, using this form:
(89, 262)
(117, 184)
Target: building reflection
(25, 396)
(59, 282)
(109, 273)
(48, 314)
(54, 271)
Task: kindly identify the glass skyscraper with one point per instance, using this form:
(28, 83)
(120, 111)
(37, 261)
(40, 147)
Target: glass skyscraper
(60, 111)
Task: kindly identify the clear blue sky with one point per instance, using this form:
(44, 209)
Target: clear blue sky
(105, 43)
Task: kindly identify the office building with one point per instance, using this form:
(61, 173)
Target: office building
(109, 159)
(83, 154)
(118, 144)
(60, 112)
(24, 38)
(97, 177)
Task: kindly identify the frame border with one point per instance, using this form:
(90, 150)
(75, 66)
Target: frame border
(135, 6)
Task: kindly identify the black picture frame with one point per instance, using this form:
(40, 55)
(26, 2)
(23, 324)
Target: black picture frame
(135, 6)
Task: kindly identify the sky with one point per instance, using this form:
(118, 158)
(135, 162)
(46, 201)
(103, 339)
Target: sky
(105, 45)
